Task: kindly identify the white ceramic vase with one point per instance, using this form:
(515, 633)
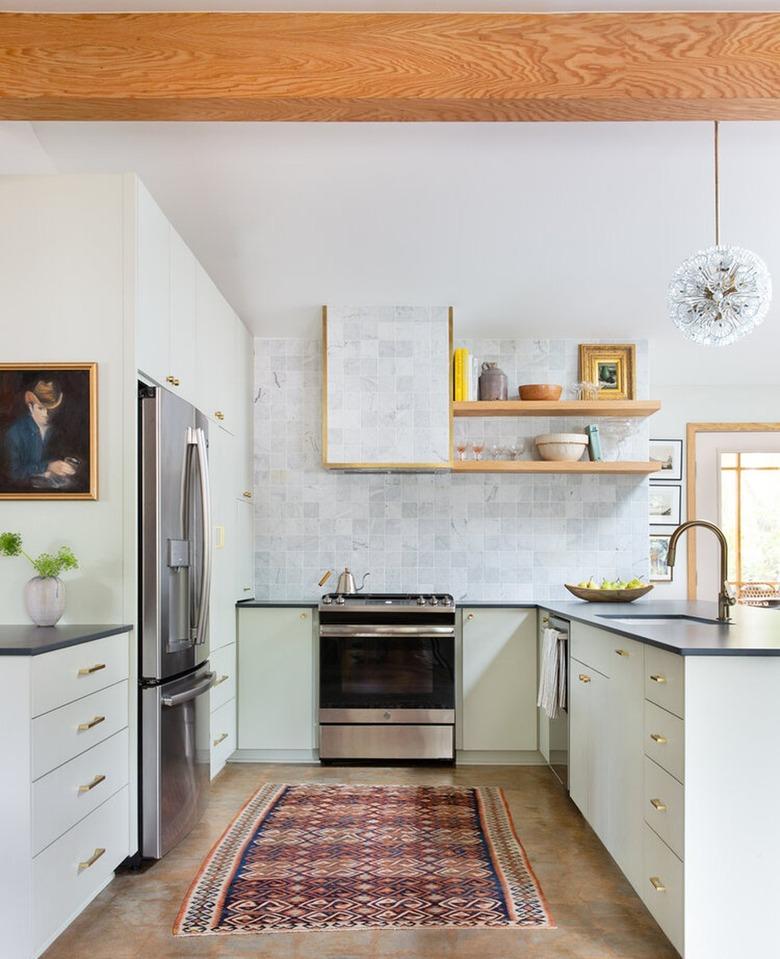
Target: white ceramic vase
(44, 597)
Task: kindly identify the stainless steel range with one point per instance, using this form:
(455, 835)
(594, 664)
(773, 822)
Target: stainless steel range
(387, 677)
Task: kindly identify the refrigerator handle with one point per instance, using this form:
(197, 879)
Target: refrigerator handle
(205, 500)
(192, 693)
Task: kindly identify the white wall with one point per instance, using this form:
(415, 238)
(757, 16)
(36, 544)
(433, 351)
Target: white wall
(61, 276)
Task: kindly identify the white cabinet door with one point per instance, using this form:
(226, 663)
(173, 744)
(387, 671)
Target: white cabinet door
(222, 628)
(243, 385)
(153, 239)
(215, 334)
(183, 331)
(245, 550)
(579, 735)
(276, 650)
(499, 679)
(625, 728)
(588, 746)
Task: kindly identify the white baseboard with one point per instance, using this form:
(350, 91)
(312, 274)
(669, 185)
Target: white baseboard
(275, 756)
(499, 757)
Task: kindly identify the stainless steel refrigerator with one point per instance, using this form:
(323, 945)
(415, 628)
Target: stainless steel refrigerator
(175, 581)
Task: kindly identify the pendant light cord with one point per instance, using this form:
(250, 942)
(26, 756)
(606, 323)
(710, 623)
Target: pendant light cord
(717, 183)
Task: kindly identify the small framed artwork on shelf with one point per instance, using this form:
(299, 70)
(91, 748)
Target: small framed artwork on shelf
(667, 453)
(665, 505)
(660, 570)
(612, 366)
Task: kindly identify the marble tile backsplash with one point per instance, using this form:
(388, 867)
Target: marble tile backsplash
(481, 537)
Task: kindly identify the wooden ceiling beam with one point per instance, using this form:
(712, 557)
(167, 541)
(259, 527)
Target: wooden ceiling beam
(403, 66)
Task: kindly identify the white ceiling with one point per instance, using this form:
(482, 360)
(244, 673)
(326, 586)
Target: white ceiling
(527, 229)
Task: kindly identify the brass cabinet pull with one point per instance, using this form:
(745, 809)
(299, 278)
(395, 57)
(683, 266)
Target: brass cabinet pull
(584, 678)
(470, 616)
(658, 804)
(545, 620)
(220, 739)
(173, 380)
(304, 615)
(656, 883)
(621, 652)
(247, 494)
(658, 738)
(92, 722)
(95, 782)
(92, 859)
(658, 678)
(88, 670)
(221, 680)
(219, 415)
(247, 589)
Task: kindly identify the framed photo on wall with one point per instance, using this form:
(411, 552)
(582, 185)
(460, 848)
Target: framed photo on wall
(48, 431)
(612, 366)
(668, 453)
(665, 504)
(660, 571)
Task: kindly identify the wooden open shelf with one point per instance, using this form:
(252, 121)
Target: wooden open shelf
(548, 466)
(556, 408)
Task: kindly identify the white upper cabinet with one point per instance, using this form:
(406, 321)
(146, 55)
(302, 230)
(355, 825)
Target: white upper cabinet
(182, 375)
(153, 326)
(387, 387)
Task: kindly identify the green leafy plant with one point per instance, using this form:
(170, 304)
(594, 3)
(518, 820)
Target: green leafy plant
(47, 565)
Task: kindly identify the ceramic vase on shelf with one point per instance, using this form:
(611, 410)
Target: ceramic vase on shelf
(44, 598)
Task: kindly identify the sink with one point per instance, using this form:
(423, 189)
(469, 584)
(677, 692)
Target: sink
(649, 620)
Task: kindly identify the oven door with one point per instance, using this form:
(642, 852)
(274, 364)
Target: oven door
(383, 667)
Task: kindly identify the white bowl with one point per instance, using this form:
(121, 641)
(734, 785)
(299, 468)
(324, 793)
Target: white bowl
(562, 446)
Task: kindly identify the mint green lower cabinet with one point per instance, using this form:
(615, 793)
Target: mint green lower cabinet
(497, 715)
(276, 684)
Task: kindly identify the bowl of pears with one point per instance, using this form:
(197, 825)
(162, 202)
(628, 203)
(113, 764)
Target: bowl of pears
(609, 591)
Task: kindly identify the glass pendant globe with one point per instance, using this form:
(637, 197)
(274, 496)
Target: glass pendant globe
(719, 295)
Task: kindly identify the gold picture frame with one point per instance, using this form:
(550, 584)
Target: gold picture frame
(612, 366)
(48, 431)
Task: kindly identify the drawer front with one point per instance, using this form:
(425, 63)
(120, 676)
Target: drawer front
(665, 740)
(66, 732)
(71, 792)
(664, 806)
(381, 742)
(665, 680)
(72, 870)
(223, 735)
(594, 647)
(68, 674)
(223, 662)
(662, 887)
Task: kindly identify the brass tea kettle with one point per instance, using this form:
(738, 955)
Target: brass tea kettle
(346, 583)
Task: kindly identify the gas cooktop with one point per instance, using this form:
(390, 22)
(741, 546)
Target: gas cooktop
(389, 600)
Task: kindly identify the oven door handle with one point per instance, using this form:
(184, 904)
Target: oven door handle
(368, 632)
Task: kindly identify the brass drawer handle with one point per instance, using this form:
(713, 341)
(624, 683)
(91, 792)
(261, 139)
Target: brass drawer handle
(93, 722)
(219, 415)
(247, 589)
(304, 615)
(220, 739)
(89, 670)
(545, 620)
(658, 678)
(173, 380)
(470, 616)
(656, 883)
(658, 738)
(221, 680)
(621, 652)
(584, 678)
(90, 786)
(92, 859)
(658, 804)
(247, 494)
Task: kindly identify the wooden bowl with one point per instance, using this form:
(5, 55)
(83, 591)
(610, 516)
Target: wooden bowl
(608, 595)
(540, 391)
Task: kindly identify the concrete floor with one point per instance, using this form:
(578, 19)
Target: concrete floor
(598, 914)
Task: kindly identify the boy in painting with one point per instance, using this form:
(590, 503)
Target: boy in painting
(29, 445)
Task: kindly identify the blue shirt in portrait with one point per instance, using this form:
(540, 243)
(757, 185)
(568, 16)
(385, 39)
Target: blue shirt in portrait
(25, 449)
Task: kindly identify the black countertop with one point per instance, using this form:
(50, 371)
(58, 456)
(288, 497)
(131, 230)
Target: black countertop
(29, 640)
(753, 631)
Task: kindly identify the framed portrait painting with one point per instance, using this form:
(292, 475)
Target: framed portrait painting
(48, 431)
(612, 366)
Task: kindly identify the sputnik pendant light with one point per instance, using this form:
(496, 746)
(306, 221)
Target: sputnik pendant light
(720, 294)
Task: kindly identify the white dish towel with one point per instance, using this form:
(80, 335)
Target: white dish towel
(552, 675)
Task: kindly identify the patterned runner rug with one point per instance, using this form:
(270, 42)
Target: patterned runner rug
(317, 857)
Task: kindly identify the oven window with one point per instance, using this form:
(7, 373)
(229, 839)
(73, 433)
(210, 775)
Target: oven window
(385, 671)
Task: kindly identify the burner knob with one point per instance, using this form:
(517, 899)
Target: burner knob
(447, 600)
(421, 600)
(327, 600)
(434, 601)
(339, 600)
